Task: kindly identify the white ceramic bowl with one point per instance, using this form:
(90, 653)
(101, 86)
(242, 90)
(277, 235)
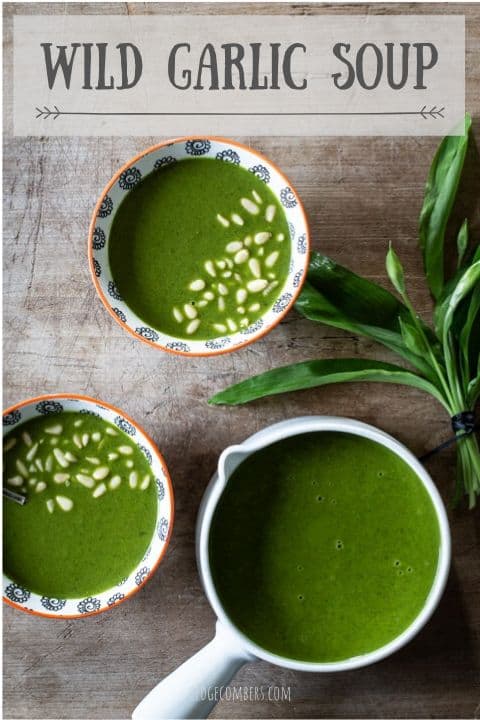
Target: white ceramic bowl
(214, 665)
(152, 160)
(23, 599)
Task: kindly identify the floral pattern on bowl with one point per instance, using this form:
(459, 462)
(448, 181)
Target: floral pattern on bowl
(152, 160)
(31, 602)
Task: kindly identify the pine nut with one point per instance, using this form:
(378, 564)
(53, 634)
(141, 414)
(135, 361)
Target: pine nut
(54, 441)
(85, 439)
(241, 295)
(41, 486)
(50, 505)
(77, 441)
(11, 442)
(192, 326)
(269, 288)
(49, 464)
(60, 458)
(234, 246)
(208, 295)
(77, 423)
(70, 457)
(247, 241)
(244, 322)
(15, 481)
(96, 436)
(21, 468)
(256, 196)
(237, 219)
(133, 479)
(39, 463)
(280, 237)
(54, 430)
(221, 264)
(145, 482)
(220, 328)
(101, 473)
(227, 274)
(232, 325)
(272, 259)
(222, 220)
(27, 439)
(125, 450)
(114, 482)
(202, 303)
(129, 463)
(255, 286)
(249, 206)
(255, 307)
(60, 478)
(262, 237)
(85, 480)
(270, 213)
(241, 256)
(237, 277)
(221, 304)
(241, 310)
(197, 285)
(209, 267)
(111, 431)
(32, 452)
(64, 503)
(229, 263)
(190, 311)
(94, 460)
(254, 266)
(112, 456)
(99, 490)
(222, 289)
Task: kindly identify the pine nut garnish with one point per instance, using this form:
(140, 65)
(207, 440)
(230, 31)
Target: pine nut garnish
(280, 237)
(50, 505)
(177, 315)
(54, 441)
(94, 460)
(101, 473)
(99, 490)
(255, 286)
(60, 478)
(70, 457)
(271, 275)
(237, 219)
(221, 264)
(190, 311)
(229, 262)
(219, 327)
(85, 439)
(256, 196)
(208, 295)
(112, 456)
(129, 463)
(234, 247)
(197, 285)
(255, 307)
(11, 442)
(27, 439)
(241, 256)
(241, 295)
(85, 480)
(237, 277)
(41, 486)
(241, 310)
(125, 450)
(115, 482)
(60, 458)
(202, 303)
(133, 479)
(222, 220)
(227, 274)
(249, 206)
(222, 289)
(111, 431)
(244, 322)
(15, 481)
(145, 482)
(209, 267)
(270, 213)
(49, 464)
(64, 503)
(232, 325)
(77, 423)
(272, 259)
(221, 304)
(270, 287)
(32, 481)
(247, 241)
(32, 452)
(39, 463)
(77, 441)
(192, 326)
(54, 430)
(254, 267)
(21, 468)
(262, 237)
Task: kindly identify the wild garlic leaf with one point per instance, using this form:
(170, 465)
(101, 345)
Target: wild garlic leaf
(440, 192)
(462, 243)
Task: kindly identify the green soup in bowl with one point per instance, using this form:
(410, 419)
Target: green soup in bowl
(98, 508)
(199, 246)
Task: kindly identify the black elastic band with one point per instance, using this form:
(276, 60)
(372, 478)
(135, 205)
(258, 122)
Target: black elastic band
(463, 423)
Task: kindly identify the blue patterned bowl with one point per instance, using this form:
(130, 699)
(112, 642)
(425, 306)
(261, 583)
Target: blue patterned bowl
(170, 152)
(23, 599)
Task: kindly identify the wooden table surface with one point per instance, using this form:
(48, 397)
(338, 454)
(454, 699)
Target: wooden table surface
(359, 193)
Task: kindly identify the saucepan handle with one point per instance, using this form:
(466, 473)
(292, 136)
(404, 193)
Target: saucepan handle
(190, 691)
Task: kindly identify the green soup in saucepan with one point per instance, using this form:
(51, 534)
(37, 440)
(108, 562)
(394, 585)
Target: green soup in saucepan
(199, 248)
(91, 505)
(323, 547)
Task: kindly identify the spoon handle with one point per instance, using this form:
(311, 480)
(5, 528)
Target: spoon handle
(16, 497)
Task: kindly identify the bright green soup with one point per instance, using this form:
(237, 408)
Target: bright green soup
(199, 249)
(323, 547)
(91, 507)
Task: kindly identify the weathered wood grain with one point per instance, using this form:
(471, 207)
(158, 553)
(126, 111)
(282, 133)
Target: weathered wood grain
(359, 193)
